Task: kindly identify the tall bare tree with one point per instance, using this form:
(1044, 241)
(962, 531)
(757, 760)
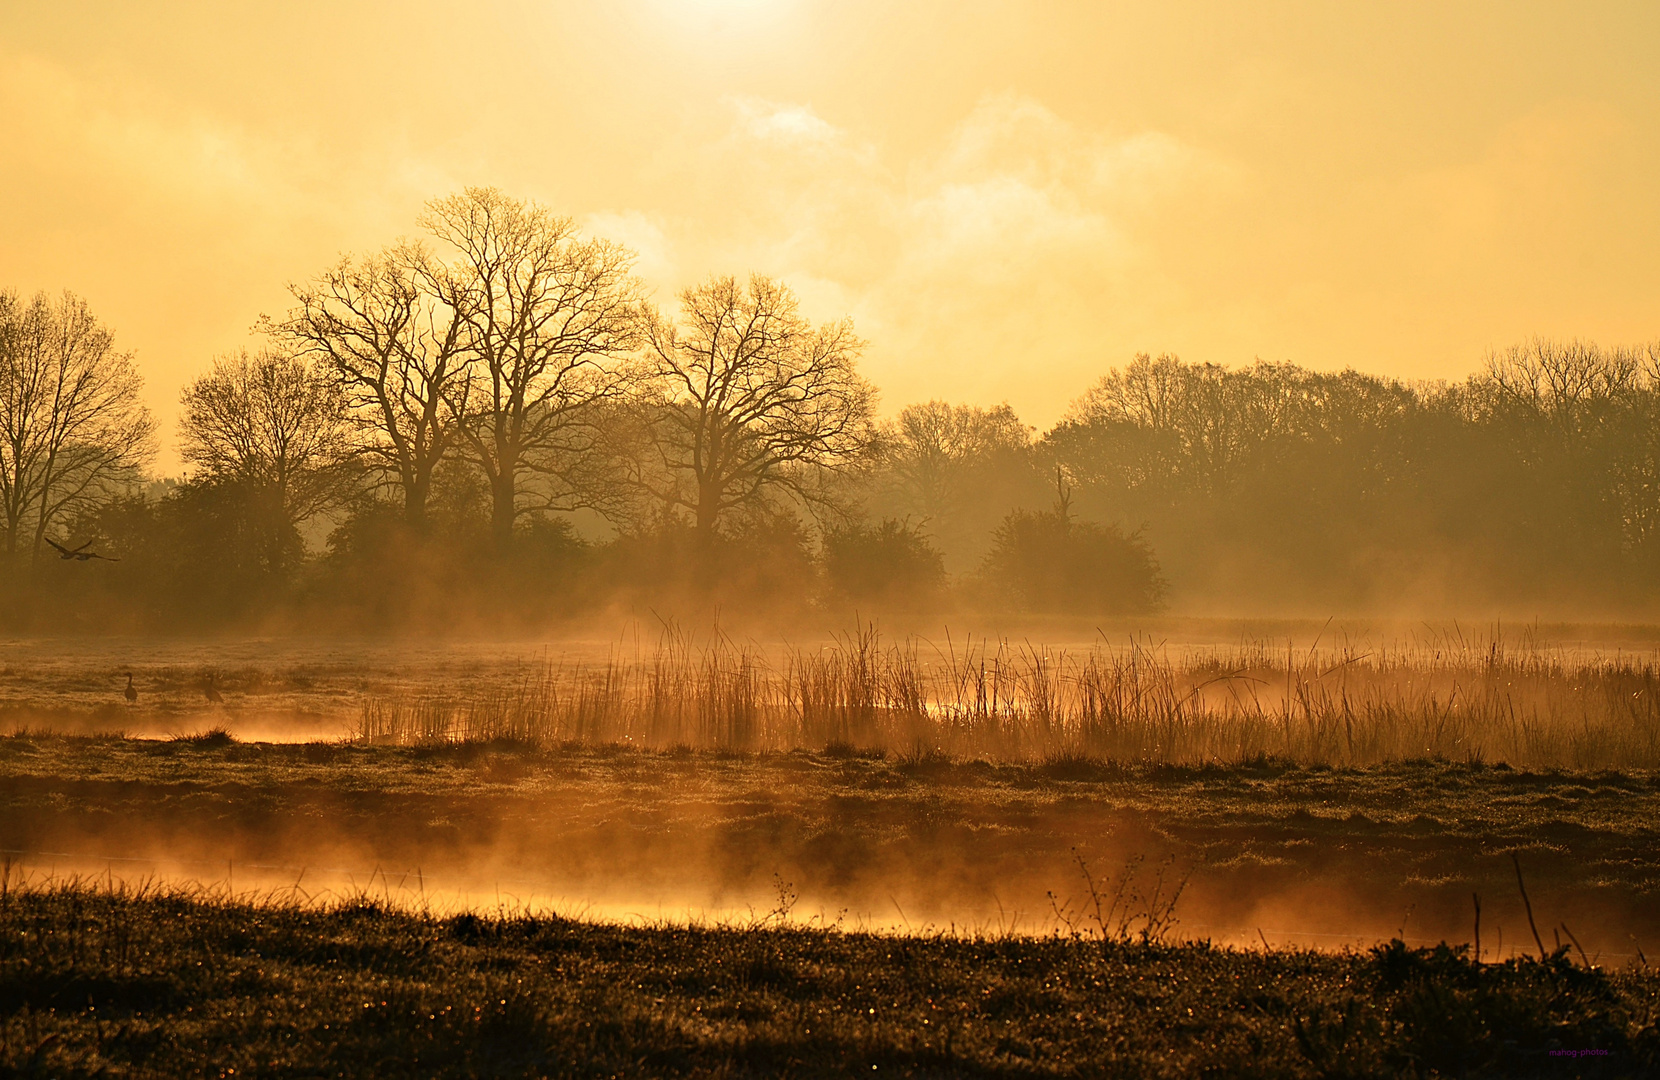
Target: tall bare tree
(384, 327)
(72, 430)
(273, 426)
(550, 318)
(752, 401)
(955, 471)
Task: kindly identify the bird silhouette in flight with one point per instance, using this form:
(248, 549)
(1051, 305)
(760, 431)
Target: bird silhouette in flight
(132, 691)
(211, 692)
(80, 554)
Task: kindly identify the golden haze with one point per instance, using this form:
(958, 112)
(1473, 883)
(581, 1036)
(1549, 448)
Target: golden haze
(1008, 198)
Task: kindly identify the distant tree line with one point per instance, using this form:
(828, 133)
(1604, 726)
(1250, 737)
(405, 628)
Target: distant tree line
(1534, 482)
(492, 428)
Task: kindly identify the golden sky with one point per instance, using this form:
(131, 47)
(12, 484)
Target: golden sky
(1008, 198)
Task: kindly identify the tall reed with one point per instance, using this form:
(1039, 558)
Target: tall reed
(1467, 701)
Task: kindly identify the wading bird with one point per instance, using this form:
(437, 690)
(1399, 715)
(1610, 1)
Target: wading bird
(132, 691)
(211, 692)
(80, 554)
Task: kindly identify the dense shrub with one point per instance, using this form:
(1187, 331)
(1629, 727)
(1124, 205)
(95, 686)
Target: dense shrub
(1049, 562)
(890, 565)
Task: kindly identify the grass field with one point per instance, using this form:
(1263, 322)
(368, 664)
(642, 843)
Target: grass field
(171, 984)
(1217, 692)
(1049, 856)
(1350, 704)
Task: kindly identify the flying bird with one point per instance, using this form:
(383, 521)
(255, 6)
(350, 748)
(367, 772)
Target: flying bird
(80, 554)
(132, 691)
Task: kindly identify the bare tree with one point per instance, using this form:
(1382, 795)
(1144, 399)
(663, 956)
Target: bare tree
(937, 454)
(550, 318)
(383, 326)
(1590, 412)
(273, 426)
(955, 471)
(1570, 386)
(751, 401)
(72, 430)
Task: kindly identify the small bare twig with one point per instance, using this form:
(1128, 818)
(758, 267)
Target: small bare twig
(1577, 945)
(1528, 905)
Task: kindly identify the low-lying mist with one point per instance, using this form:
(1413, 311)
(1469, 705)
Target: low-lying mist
(1310, 783)
(1199, 692)
(1265, 853)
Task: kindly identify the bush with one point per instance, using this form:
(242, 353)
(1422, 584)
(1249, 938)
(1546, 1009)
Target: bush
(1048, 562)
(891, 565)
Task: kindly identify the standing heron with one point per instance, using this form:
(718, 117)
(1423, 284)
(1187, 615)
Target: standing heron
(212, 693)
(131, 692)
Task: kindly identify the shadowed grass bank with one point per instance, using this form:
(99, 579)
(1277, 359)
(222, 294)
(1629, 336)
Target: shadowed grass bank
(147, 982)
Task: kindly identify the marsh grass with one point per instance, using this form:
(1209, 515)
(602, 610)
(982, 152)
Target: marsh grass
(1449, 698)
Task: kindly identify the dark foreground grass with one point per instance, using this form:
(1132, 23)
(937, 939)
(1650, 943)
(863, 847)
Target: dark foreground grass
(170, 983)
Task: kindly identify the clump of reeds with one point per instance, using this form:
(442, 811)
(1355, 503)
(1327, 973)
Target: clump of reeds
(1337, 706)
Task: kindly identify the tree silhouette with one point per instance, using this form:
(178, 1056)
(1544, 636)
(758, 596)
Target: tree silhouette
(398, 349)
(271, 427)
(72, 430)
(549, 317)
(748, 401)
(1049, 561)
(956, 469)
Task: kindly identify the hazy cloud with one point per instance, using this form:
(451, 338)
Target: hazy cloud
(978, 256)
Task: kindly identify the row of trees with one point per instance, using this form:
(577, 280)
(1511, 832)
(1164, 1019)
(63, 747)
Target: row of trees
(1534, 482)
(424, 428)
(432, 416)
(529, 352)
(515, 346)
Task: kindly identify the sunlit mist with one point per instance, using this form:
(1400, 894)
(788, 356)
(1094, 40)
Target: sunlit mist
(1007, 198)
(822, 538)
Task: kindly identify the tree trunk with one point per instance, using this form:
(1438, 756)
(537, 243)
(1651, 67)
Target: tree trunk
(275, 522)
(502, 509)
(45, 505)
(708, 509)
(415, 503)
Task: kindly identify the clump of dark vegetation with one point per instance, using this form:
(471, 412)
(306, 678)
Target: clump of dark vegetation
(169, 982)
(1052, 562)
(216, 736)
(891, 566)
